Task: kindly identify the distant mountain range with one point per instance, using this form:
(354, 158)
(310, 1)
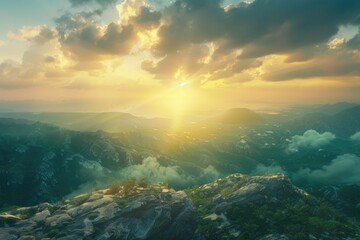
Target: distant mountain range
(109, 122)
(41, 162)
(343, 123)
(342, 118)
(240, 116)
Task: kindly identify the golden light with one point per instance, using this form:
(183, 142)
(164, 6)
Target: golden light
(182, 101)
(183, 84)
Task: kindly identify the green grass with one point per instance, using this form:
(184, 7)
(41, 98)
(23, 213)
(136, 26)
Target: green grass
(296, 220)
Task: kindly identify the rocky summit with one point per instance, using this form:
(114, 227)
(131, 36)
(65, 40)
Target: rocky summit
(154, 212)
(235, 207)
(266, 208)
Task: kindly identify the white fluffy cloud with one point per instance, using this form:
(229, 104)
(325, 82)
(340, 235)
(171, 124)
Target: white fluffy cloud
(154, 172)
(342, 170)
(356, 137)
(309, 140)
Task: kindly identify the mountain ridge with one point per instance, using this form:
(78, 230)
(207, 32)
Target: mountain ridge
(227, 208)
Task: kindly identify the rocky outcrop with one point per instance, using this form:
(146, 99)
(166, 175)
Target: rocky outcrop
(267, 208)
(143, 213)
(239, 189)
(235, 207)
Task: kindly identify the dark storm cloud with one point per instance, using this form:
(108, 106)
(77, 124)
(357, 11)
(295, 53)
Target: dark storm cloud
(147, 18)
(190, 22)
(261, 28)
(187, 60)
(331, 64)
(187, 28)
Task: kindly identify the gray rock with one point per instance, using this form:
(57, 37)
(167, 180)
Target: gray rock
(149, 213)
(58, 220)
(41, 216)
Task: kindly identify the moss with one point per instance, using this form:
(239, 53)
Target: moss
(226, 192)
(289, 219)
(297, 220)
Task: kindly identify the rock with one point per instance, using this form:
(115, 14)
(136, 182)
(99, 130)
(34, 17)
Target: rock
(234, 207)
(41, 216)
(9, 217)
(244, 190)
(58, 220)
(147, 214)
(89, 205)
(265, 207)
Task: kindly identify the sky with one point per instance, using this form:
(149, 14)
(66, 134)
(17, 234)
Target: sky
(166, 58)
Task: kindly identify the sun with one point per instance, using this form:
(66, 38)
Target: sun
(183, 84)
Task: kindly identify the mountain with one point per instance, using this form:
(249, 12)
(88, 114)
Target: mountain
(265, 207)
(320, 122)
(344, 123)
(39, 162)
(240, 116)
(345, 198)
(234, 207)
(109, 121)
(121, 212)
(335, 108)
(329, 109)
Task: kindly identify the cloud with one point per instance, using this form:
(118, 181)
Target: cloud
(188, 61)
(344, 169)
(84, 40)
(181, 41)
(251, 30)
(147, 18)
(253, 26)
(2, 43)
(355, 137)
(12, 75)
(45, 35)
(311, 139)
(129, 9)
(43, 63)
(154, 172)
(336, 43)
(325, 64)
(25, 33)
